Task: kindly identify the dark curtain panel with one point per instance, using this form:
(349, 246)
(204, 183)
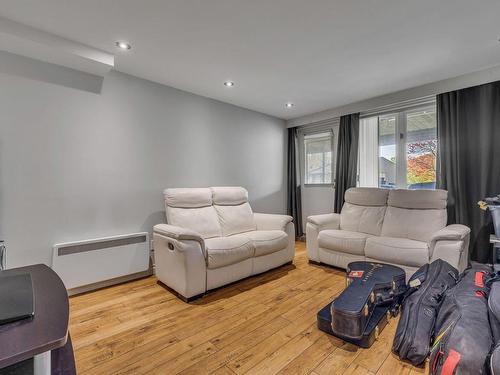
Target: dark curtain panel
(469, 158)
(347, 157)
(294, 199)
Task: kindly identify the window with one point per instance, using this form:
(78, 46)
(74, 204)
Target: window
(318, 158)
(406, 152)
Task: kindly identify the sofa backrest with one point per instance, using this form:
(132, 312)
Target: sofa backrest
(212, 212)
(364, 210)
(415, 214)
(192, 208)
(233, 210)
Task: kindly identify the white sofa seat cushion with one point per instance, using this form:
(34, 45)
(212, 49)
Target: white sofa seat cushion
(397, 251)
(267, 241)
(223, 251)
(343, 240)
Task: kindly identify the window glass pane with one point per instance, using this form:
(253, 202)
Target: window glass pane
(318, 158)
(387, 151)
(421, 149)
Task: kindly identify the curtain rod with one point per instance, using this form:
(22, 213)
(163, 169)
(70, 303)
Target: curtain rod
(404, 104)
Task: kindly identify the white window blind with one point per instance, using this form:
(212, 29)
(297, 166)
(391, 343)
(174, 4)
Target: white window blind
(368, 152)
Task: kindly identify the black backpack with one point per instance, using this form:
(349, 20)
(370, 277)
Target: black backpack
(420, 308)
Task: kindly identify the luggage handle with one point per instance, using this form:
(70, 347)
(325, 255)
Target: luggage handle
(437, 358)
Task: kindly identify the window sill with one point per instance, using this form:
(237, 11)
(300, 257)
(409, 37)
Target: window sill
(318, 185)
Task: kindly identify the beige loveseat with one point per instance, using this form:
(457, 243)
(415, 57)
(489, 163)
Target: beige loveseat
(213, 238)
(406, 228)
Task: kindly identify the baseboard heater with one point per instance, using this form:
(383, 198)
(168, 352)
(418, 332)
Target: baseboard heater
(96, 263)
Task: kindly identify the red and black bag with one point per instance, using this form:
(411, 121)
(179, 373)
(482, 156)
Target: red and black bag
(464, 337)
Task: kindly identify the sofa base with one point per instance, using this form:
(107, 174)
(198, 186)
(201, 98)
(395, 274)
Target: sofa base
(178, 295)
(322, 264)
(408, 270)
(201, 295)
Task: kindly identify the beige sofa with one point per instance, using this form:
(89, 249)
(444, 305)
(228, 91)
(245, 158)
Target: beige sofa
(213, 238)
(406, 228)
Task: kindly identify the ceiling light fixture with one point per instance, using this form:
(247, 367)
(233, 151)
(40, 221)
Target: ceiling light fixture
(289, 105)
(229, 83)
(123, 45)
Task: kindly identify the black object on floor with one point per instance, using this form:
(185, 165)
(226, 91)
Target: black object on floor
(362, 310)
(376, 324)
(420, 309)
(16, 297)
(369, 285)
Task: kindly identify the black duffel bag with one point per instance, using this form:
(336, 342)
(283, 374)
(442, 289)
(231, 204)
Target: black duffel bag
(419, 310)
(493, 362)
(464, 336)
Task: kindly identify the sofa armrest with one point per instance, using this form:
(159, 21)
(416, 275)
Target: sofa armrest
(314, 225)
(180, 259)
(271, 221)
(326, 221)
(451, 244)
(179, 234)
(454, 232)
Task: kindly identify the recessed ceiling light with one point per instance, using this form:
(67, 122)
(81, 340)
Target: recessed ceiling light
(123, 45)
(289, 105)
(229, 83)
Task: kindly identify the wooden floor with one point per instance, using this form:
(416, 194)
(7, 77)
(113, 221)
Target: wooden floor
(261, 325)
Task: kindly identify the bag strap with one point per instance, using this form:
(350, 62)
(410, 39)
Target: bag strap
(494, 277)
(450, 363)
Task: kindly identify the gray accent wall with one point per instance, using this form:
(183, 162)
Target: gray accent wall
(76, 165)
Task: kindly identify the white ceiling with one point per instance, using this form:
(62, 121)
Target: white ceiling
(318, 54)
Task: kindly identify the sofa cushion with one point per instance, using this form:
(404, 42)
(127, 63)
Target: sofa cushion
(267, 241)
(188, 197)
(397, 251)
(418, 199)
(343, 240)
(235, 219)
(366, 219)
(366, 196)
(223, 251)
(229, 195)
(414, 224)
(202, 220)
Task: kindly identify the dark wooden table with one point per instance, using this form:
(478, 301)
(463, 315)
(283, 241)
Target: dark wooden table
(46, 335)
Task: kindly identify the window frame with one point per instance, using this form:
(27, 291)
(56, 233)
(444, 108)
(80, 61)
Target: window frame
(333, 130)
(401, 132)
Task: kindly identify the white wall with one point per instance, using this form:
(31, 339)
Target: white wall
(77, 165)
(456, 83)
(316, 200)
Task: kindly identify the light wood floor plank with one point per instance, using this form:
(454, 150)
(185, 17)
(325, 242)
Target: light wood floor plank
(261, 325)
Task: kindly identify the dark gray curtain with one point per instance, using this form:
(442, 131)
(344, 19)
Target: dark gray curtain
(468, 123)
(347, 157)
(294, 206)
